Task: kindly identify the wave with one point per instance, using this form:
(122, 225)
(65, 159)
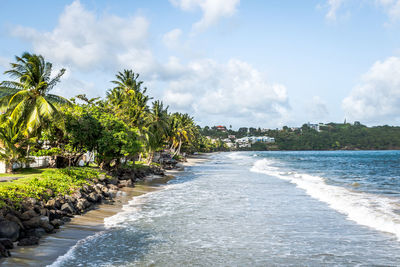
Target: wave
(238, 156)
(70, 255)
(366, 209)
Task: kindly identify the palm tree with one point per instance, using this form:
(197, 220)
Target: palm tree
(27, 99)
(11, 150)
(157, 128)
(182, 130)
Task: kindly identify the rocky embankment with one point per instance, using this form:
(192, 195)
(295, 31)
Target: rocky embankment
(24, 226)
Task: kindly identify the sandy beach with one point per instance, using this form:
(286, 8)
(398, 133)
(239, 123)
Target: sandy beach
(54, 245)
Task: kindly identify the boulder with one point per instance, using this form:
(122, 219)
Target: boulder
(94, 197)
(124, 183)
(70, 199)
(56, 223)
(44, 212)
(53, 204)
(112, 187)
(13, 218)
(47, 227)
(10, 230)
(7, 243)
(112, 193)
(4, 252)
(82, 204)
(37, 232)
(36, 222)
(29, 241)
(67, 207)
(28, 214)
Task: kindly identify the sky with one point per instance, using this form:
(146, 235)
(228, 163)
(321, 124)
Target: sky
(253, 63)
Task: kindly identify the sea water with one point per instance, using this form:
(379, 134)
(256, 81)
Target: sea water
(337, 208)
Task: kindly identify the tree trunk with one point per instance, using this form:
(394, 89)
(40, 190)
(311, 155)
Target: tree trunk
(9, 167)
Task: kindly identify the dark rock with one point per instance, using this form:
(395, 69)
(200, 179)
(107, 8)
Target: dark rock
(9, 230)
(47, 227)
(13, 218)
(112, 193)
(7, 243)
(53, 204)
(113, 181)
(4, 252)
(29, 214)
(29, 241)
(44, 212)
(67, 207)
(56, 223)
(37, 232)
(36, 222)
(94, 197)
(70, 199)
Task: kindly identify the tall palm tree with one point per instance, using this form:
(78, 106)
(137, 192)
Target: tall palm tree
(182, 130)
(27, 99)
(157, 128)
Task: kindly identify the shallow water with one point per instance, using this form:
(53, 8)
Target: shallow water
(259, 209)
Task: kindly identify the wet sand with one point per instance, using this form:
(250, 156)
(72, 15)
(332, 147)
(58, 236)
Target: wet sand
(54, 245)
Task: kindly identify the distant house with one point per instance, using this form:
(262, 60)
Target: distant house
(221, 128)
(253, 139)
(231, 136)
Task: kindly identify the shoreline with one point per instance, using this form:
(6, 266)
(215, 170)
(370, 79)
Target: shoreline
(52, 246)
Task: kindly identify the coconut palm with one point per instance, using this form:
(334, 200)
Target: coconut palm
(27, 99)
(11, 149)
(182, 130)
(157, 128)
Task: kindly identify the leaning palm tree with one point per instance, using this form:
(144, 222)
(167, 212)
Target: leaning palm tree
(26, 99)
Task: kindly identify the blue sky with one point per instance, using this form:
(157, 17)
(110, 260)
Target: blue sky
(240, 63)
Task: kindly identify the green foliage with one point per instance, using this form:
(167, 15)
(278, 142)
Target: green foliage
(48, 184)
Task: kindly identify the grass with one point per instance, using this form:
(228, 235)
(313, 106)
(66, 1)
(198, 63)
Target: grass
(42, 184)
(25, 172)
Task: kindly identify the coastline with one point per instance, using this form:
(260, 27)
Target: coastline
(80, 227)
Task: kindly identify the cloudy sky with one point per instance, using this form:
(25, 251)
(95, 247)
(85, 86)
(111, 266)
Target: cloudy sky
(264, 63)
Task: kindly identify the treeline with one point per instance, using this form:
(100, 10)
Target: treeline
(127, 125)
(332, 136)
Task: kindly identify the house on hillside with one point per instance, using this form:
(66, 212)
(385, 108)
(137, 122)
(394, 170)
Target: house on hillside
(221, 128)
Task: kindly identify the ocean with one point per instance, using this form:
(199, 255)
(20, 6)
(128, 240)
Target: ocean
(333, 208)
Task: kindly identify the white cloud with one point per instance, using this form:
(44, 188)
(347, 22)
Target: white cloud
(334, 6)
(84, 40)
(172, 39)
(212, 10)
(390, 7)
(376, 99)
(235, 91)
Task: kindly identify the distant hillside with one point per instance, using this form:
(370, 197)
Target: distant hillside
(332, 136)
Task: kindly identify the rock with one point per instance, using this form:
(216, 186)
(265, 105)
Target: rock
(124, 183)
(7, 243)
(56, 223)
(44, 212)
(29, 214)
(15, 219)
(9, 229)
(70, 199)
(94, 197)
(112, 181)
(77, 195)
(31, 201)
(67, 207)
(37, 232)
(29, 241)
(87, 189)
(112, 193)
(82, 204)
(53, 204)
(4, 252)
(48, 227)
(112, 187)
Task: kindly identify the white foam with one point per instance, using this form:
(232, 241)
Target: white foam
(71, 252)
(371, 210)
(237, 156)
